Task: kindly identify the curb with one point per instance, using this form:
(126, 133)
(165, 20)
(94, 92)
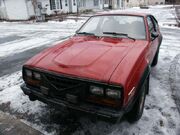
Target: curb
(13, 126)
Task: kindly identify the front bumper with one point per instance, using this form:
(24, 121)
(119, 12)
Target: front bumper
(88, 108)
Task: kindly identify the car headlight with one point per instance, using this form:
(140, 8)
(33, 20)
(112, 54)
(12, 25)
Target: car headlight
(37, 76)
(96, 90)
(113, 93)
(28, 73)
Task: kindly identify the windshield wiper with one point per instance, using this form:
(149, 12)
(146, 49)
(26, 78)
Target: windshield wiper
(86, 33)
(119, 34)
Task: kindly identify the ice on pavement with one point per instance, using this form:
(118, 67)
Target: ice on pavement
(160, 115)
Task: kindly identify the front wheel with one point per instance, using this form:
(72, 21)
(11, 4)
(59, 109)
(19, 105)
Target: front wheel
(136, 112)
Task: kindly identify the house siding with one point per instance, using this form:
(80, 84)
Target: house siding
(3, 14)
(30, 9)
(89, 5)
(135, 3)
(154, 2)
(65, 9)
(16, 9)
(101, 4)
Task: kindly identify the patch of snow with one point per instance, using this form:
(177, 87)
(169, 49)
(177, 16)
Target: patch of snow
(11, 92)
(35, 35)
(160, 115)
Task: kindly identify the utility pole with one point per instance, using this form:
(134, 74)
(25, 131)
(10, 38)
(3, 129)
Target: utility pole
(77, 1)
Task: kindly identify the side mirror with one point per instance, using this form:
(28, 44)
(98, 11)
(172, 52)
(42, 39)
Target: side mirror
(154, 35)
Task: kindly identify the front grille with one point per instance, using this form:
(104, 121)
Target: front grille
(61, 83)
(60, 87)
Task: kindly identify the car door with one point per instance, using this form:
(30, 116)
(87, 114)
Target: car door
(154, 37)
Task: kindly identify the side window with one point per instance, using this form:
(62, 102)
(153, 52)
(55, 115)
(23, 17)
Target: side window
(150, 24)
(155, 23)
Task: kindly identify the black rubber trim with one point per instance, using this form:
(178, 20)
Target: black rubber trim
(88, 108)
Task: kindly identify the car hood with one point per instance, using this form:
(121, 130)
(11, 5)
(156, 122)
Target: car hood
(85, 56)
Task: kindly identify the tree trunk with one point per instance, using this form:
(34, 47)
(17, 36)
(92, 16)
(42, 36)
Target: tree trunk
(34, 3)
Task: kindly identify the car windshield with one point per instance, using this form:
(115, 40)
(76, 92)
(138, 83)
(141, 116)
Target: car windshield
(115, 25)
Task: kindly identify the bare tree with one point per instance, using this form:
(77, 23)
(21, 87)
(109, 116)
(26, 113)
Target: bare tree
(34, 3)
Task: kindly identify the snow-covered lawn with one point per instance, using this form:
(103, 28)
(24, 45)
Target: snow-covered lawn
(160, 115)
(34, 35)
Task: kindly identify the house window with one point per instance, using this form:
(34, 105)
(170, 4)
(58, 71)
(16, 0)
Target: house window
(66, 3)
(106, 1)
(118, 3)
(96, 2)
(55, 4)
(74, 2)
(82, 3)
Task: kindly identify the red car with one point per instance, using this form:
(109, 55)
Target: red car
(103, 69)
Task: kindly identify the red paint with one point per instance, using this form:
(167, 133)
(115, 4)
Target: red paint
(119, 61)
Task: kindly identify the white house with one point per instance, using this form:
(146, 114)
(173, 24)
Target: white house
(135, 3)
(73, 6)
(16, 9)
(53, 6)
(155, 2)
(25, 9)
(100, 4)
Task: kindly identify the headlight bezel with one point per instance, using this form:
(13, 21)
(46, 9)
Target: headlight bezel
(36, 75)
(31, 80)
(31, 74)
(101, 90)
(106, 89)
(28, 73)
(110, 91)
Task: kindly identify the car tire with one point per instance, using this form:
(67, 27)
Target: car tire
(137, 110)
(155, 60)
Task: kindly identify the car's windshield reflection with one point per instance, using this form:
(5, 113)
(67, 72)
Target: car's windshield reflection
(128, 26)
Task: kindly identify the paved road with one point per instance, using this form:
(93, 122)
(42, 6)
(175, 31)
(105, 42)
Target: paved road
(14, 62)
(13, 126)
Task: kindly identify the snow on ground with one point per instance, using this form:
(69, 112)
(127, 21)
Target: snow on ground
(160, 115)
(34, 35)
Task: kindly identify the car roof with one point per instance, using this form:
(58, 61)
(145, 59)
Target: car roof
(122, 13)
